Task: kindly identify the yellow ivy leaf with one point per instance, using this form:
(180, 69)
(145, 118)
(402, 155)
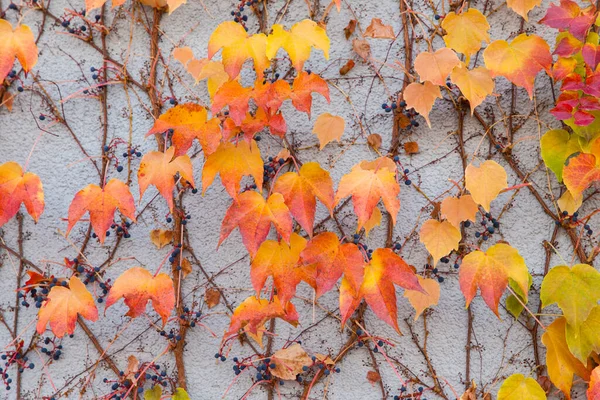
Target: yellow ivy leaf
(329, 128)
(459, 209)
(517, 387)
(374, 221)
(585, 338)
(440, 238)
(522, 7)
(475, 84)
(421, 97)
(161, 237)
(420, 300)
(569, 203)
(485, 182)
(466, 31)
(298, 42)
(435, 67)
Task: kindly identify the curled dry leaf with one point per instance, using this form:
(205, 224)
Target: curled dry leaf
(289, 362)
(350, 28)
(7, 100)
(212, 297)
(329, 128)
(411, 147)
(347, 67)
(362, 48)
(373, 377)
(374, 140)
(186, 267)
(378, 30)
(161, 237)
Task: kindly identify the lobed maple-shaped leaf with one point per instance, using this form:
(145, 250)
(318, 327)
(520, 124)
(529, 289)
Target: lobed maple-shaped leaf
(101, 203)
(188, 122)
(379, 30)
(328, 128)
(16, 43)
(138, 286)
(466, 31)
(593, 392)
(585, 338)
(459, 209)
(254, 216)
(560, 363)
(557, 145)
(324, 261)
(582, 170)
(289, 362)
(517, 387)
(159, 169)
(563, 68)
(238, 46)
(475, 84)
(62, 307)
(200, 69)
(522, 7)
(303, 87)
(436, 66)
(374, 221)
(270, 95)
(18, 187)
(299, 190)
(421, 97)
(485, 182)
(236, 97)
(298, 41)
(577, 108)
(368, 182)
(574, 290)
(422, 300)
(568, 16)
(232, 162)
(253, 312)
(279, 260)
(520, 60)
(490, 271)
(440, 238)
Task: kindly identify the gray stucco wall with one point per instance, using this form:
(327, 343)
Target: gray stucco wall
(500, 347)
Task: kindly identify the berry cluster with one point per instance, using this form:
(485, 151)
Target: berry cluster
(489, 225)
(14, 357)
(271, 168)
(405, 171)
(52, 349)
(362, 246)
(404, 394)
(238, 12)
(151, 373)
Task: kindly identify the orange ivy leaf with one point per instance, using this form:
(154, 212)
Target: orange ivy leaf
(270, 95)
(368, 182)
(561, 364)
(62, 307)
(234, 95)
(485, 182)
(435, 67)
(522, 7)
(520, 60)
(491, 271)
(593, 392)
(279, 260)
(299, 190)
(254, 216)
(324, 260)
(232, 162)
(298, 42)
(19, 43)
(475, 84)
(582, 170)
(423, 300)
(158, 169)
(466, 31)
(253, 312)
(18, 187)
(378, 30)
(440, 238)
(303, 87)
(138, 286)
(188, 122)
(459, 209)
(328, 128)
(200, 69)
(101, 203)
(421, 97)
(238, 46)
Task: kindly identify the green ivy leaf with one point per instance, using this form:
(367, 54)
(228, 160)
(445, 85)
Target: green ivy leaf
(557, 145)
(155, 393)
(180, 394)
(514, 304)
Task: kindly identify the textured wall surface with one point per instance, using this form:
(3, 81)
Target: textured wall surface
(499, 346)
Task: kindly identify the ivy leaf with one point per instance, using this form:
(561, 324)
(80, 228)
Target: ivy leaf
(200, 69)
(62, 307)
(568, 16)
(137, 286)
(368, 182)
(582, 170)
(522, 7)
(575, 290)
(188, 122)
(299, 190)
(232, 162)
(423, 300)
(279, 260)
(254, 216)
(585, 338)
(568, 203)
(515, 304)
(440, 238)
(180, 394)
(303, 87)
(161, 237)
(561, 364)
(270, 95)
(374, 221)
(234, 95)
(101, 203)
(238, 46)
(328, 128)
(557, 145)
(466, 31)
(298, 42)
(158, 169)
(491, 271)
(435, 67)
(421, 97)
(154, 393)
(485, 182)
(18, 187)
(19, 43)
(475, 84)
(324, 260)
(289, 362)
(378, 30)
(517, 387)
(593, 392)
(459, 209)
(591, 55)
(253, 312)
(519, 61)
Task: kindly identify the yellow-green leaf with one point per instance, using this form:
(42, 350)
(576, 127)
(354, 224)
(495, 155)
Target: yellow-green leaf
(517, 387)
(585, 338)
(557, 145)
